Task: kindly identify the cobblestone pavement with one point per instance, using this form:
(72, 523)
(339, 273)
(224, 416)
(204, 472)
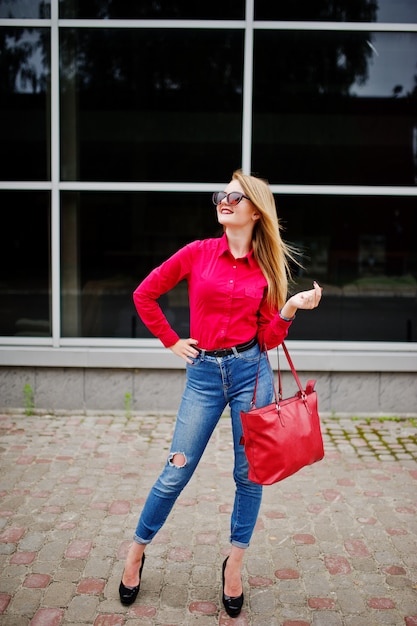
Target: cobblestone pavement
(335, 545)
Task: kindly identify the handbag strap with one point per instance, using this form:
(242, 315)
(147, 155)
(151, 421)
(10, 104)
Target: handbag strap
(278, 396)
(290, 363)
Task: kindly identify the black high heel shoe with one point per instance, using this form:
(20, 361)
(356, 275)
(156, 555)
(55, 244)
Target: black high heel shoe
(128, 595)
(232, 605)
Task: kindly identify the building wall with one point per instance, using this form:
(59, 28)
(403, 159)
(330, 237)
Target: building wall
(116, 130)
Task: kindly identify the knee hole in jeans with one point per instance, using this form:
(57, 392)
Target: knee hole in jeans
(177, 459)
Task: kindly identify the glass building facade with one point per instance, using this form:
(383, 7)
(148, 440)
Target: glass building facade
(120, 119)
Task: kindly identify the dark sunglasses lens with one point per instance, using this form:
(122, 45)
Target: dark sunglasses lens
(217, 197)
(234, 197)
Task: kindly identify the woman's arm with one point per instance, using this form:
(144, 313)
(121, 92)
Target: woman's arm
(158, 282)
(303, 300)
(273, 326)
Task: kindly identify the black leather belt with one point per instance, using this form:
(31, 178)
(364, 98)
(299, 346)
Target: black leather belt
(242, 347)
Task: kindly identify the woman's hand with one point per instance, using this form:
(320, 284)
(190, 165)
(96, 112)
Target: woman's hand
(184, 349)
(303, 300)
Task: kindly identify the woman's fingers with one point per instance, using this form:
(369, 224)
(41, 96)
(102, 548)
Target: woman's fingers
(184, 349)
(310, 299)
(317, 293)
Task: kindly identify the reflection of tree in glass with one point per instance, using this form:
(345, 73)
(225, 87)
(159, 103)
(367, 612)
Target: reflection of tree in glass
(310, 63)
(25, 9)
(171, 77)
(156, 69)
(24, 61)
(300, 62)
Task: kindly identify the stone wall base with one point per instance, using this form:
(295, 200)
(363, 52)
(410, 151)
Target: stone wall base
(100, 389)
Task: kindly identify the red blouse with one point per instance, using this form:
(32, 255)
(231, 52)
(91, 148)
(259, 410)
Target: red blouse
(226, 297)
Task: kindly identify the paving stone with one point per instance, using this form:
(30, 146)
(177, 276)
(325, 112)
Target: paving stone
(109, 620)
(25, 602)
(142, 612)
(82, 609)
(285, 574)
(23, 558)
(321, 603)
(47, 617)
(381, 603)
(258, 581)
(58, 594)
(204, 608)
(334, 545)
(91, 586)
(12, 535)
(337, 564)
(4, 602)
(356, 547)
(37, 581)
(78, 549)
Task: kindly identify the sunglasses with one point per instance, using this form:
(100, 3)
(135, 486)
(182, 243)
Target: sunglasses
(232, 198)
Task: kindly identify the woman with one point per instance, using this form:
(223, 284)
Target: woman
(237, 293)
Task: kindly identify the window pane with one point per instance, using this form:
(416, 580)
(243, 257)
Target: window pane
(367, 266)
(24, 108)
(402, 11)
(25, 263)
(345, 113)
(132, 110)
(110, 242)
(362, 251)
(174, 9)
(37, 9)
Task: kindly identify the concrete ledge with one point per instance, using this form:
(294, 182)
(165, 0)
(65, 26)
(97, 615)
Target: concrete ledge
(312, 355)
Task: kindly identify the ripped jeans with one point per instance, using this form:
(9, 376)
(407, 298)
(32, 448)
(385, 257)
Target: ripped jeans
(212, 383)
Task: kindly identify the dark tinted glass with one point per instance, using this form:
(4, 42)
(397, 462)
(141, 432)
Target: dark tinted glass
(145, 9)
(24, 103)
(335, 108)
(367, 266)
(25, 264)
(110, 242)
(340, 11)
(362, 251)
(37, 9)
(150, 104)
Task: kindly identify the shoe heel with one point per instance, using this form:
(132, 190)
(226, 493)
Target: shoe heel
(232, 606)
(127, 595)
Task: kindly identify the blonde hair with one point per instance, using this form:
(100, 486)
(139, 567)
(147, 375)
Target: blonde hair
(271, 252)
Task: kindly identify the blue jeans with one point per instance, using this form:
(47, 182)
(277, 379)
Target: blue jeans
(211, 384)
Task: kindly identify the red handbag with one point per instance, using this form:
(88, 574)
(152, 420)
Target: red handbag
(283, 437)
